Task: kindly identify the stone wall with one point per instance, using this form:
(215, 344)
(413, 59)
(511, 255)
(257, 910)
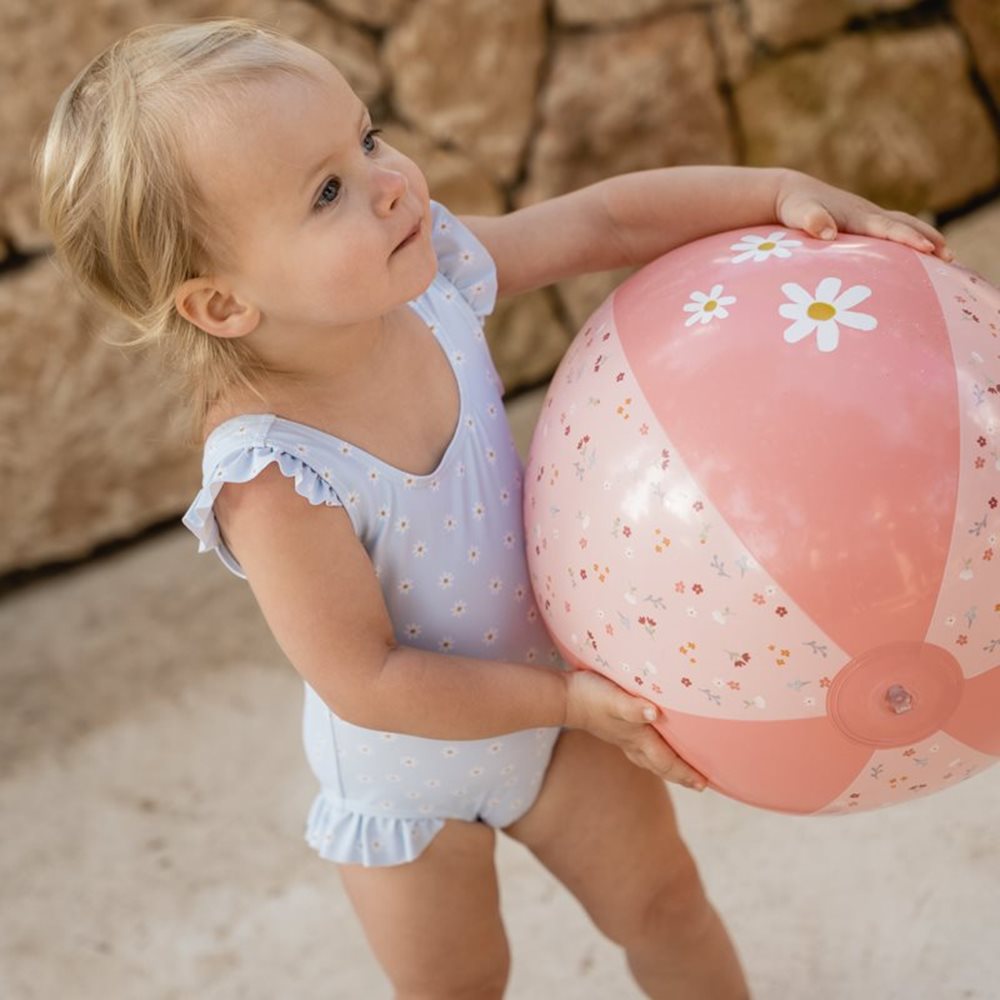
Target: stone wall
(503, 102)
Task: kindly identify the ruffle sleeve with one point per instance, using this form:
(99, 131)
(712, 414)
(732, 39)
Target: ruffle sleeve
(240, 465)
(464, 261)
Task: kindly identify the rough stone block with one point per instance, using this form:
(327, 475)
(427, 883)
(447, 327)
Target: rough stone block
(377, 13)
(526, 339)
(628, 99)
(735, 44)
(93, 446)
(609, 11)
(892, 116)
(468, 73)
(781, 23)
(980, 19)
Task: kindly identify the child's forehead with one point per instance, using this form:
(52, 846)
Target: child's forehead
(268, 129)
(307, 76)
(276, 101)
(316, 65)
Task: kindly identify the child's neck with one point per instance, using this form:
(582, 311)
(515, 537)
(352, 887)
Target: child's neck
(303, 361)
(316, 370)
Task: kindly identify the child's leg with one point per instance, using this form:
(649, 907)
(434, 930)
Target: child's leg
(606, 829)
(434, 923)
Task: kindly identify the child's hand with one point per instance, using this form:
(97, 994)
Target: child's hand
(805, 203)
(606, 711)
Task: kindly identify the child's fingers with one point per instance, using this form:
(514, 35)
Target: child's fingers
(922, 227)
(652, 752)
(630, 708)
(641, 711)
(889, 228)
(925, 229)
(906, 229)
(817, 220)
(640, 742)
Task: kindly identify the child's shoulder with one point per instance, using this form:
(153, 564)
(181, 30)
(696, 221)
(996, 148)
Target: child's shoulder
(242, 450)
(232, 417)
(228, 432)
(463, 260)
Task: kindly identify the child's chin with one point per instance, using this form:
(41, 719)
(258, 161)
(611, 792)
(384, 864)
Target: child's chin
(426, 269)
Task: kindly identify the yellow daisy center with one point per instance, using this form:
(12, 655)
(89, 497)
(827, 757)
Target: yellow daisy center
(821, 311)
(710, 305)
(766, 245)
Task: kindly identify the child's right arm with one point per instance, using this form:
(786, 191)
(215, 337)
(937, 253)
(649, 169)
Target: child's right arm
(318, 592)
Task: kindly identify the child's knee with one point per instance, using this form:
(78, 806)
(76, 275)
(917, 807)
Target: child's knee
(672, 904)
(484, 979)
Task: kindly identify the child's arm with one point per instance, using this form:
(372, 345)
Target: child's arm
(316, 587)
(633, 218)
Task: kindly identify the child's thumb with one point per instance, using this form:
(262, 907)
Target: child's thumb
(819, 222)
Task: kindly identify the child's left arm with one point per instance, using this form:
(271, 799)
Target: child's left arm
(633, 218)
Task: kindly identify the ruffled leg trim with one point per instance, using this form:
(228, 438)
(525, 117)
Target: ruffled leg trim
(346, 836)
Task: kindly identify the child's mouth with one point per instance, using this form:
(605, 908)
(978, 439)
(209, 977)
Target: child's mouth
(409, 238)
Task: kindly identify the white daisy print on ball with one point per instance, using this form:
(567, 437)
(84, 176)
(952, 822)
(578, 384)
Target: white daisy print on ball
(704, 308)
(756, 248)
(825, 312)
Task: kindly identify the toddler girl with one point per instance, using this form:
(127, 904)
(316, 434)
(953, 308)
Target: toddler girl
(224, 189)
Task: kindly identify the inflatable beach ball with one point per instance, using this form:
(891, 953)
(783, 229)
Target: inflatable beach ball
(764, 493)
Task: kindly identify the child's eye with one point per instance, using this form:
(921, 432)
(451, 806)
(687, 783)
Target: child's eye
(331, 187)
(328, 193)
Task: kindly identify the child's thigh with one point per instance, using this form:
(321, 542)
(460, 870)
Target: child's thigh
(434, 923)
(607, 830)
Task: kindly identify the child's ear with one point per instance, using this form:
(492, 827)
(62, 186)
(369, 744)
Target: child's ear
(215, 309)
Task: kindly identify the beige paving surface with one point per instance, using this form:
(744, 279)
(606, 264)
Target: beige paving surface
(152, 794)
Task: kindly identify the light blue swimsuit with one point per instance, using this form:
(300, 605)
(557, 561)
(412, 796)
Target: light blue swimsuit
(448, 550)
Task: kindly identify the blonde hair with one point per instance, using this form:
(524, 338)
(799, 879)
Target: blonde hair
(119, 200)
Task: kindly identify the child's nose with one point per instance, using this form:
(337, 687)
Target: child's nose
(388, 187)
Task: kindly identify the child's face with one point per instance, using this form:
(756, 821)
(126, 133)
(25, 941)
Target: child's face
(312, 207)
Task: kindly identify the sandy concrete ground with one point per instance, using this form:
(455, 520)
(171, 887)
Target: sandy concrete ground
(153, 791)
